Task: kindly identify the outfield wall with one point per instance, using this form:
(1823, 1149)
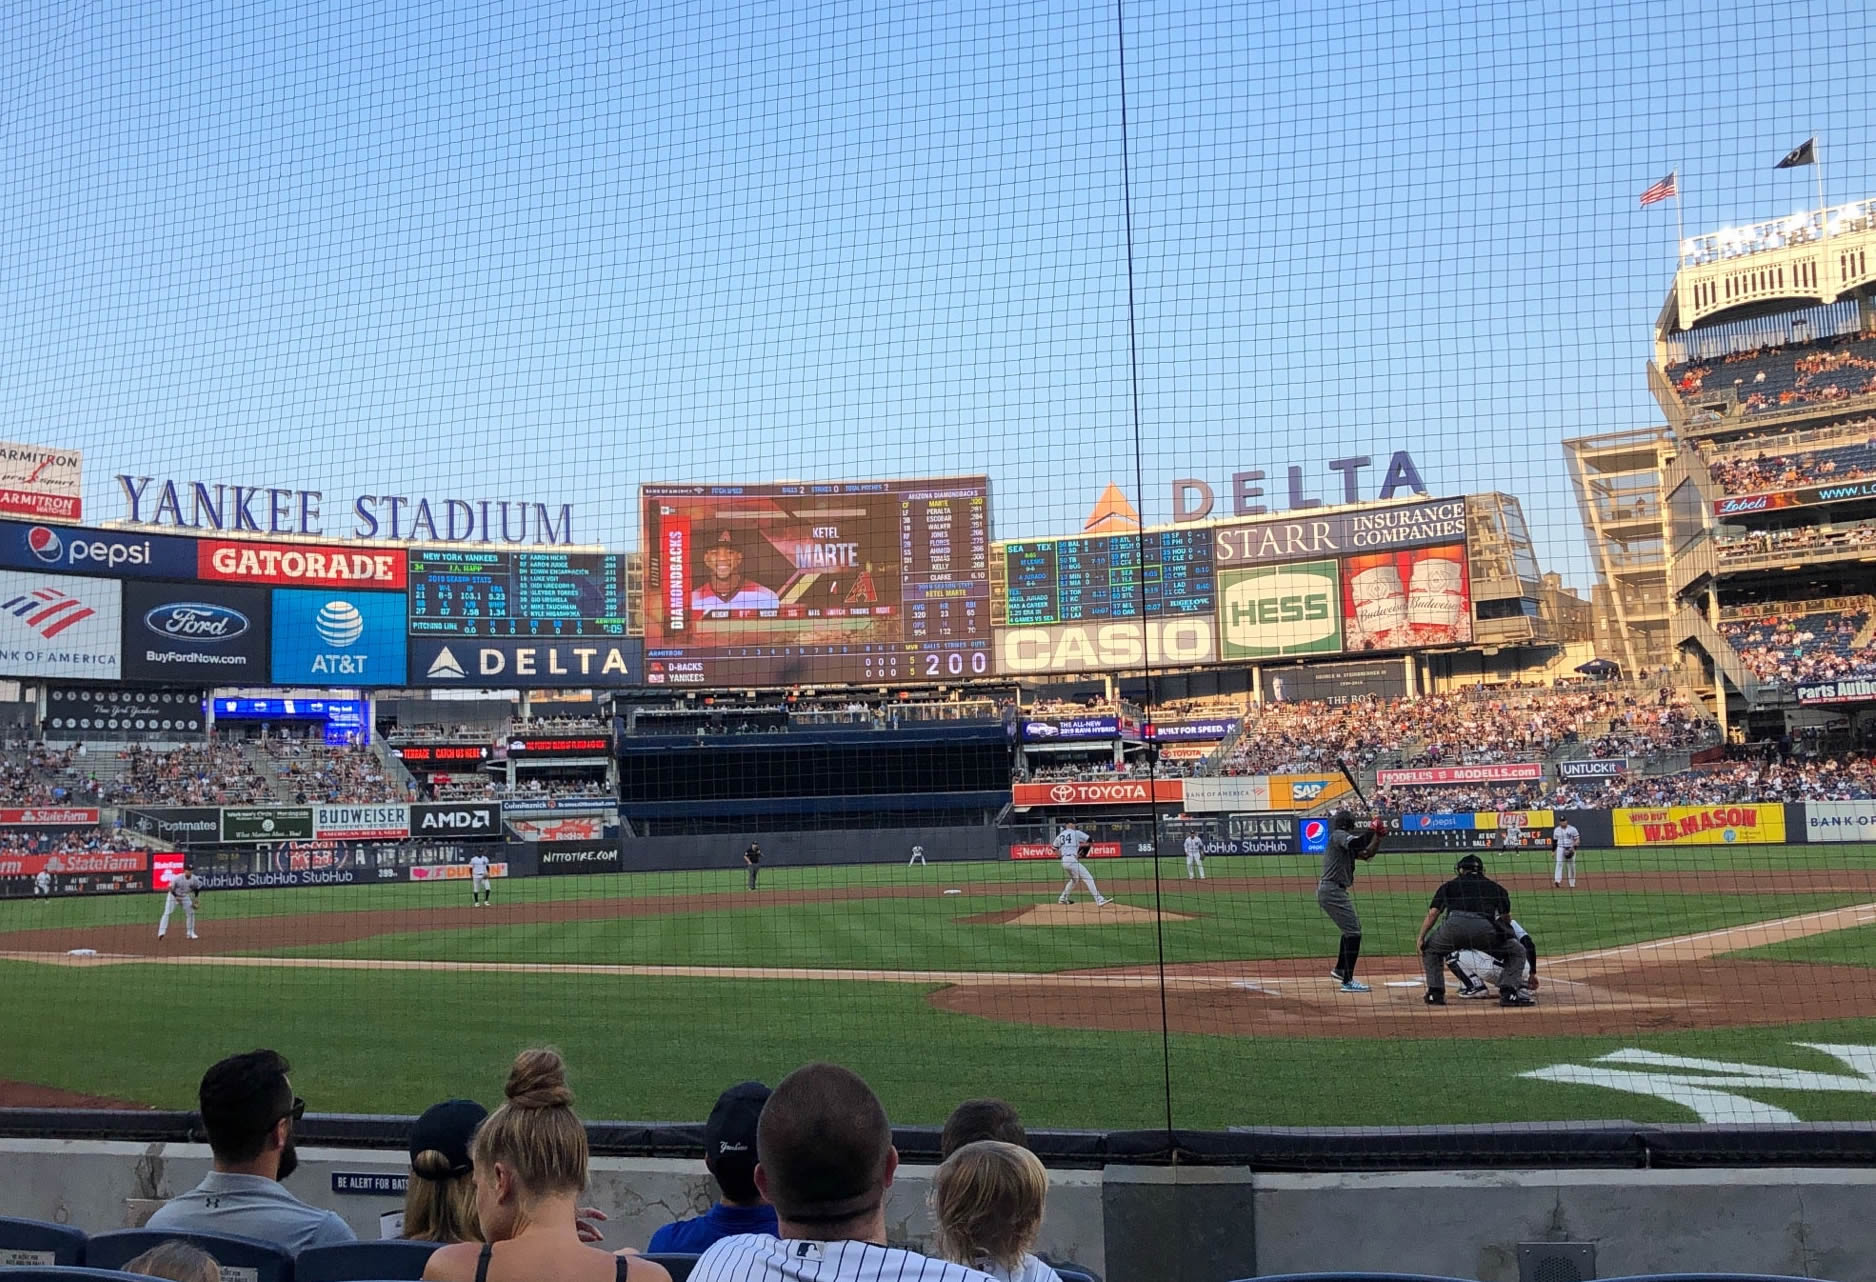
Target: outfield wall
(1164, 1223)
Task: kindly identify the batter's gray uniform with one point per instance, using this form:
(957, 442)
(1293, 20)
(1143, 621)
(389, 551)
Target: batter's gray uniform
(183, 888)
(1338, 874)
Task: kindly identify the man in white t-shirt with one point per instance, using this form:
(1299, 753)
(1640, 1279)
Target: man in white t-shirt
(824, 1161)
(1195, 856)
(482, 890)
(722, 554)
(1068, 843)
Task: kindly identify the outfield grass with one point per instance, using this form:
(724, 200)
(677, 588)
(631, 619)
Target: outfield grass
(652, 1048)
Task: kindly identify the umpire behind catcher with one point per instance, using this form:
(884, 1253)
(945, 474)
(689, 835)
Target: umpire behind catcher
(1338, 874)
(1478, 915)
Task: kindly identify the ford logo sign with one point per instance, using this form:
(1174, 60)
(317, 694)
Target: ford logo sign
(196, 621)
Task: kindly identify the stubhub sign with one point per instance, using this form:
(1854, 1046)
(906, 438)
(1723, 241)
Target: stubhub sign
(75, 549)
(323, 637)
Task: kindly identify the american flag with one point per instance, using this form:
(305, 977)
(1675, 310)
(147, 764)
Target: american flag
(1660, 191)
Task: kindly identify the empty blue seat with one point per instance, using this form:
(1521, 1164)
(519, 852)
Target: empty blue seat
(363, 1261)
(1357, 1275)
(247, 1259)
(1708, 1277)
(676, 1263)
(56, 1273)
(1069, 1273)
(33, 1243)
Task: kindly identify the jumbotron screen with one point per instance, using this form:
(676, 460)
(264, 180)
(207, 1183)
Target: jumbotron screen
(805, 583)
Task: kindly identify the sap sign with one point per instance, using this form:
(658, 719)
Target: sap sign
(1098, 647)
(119, 553)
(338, 638)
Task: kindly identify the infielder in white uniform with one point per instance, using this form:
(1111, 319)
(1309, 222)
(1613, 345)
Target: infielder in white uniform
(183, 889)
(1195, 856)
(1566, 838)
(1069, 842)
(482, 891)
(42, 884)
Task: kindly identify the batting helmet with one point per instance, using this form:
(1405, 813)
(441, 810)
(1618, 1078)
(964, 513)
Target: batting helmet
(1470, 866)
(1344, 821)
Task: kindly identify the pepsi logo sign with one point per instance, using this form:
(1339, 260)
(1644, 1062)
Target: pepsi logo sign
(1313, 829)
(45, 544)
(197, 621)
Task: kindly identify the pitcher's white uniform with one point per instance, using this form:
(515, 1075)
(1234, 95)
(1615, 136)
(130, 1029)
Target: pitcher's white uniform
(481, 891)
(1069, 842)
(183, 888)
(1567, 838)
(1195, 856)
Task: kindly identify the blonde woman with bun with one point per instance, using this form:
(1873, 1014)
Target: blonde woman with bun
(530, 1167)
(440, 1200)
(988, 1198)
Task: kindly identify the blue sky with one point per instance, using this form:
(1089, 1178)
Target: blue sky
(548, 251)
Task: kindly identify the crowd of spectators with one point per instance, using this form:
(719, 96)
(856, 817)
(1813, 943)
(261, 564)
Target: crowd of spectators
(1777, 378)
(801, 1170)
(1101, 771)
(213, 774)
(1847, 778)
(1804, 645)
(32, 774)
(1806, 541)
(77, 841)
(1764, 472)
(487, 788)
(312, 772)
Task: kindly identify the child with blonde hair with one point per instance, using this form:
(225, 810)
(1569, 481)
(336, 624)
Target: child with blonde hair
(988, 1198)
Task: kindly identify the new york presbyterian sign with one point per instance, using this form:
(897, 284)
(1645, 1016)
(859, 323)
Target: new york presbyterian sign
(261, 509)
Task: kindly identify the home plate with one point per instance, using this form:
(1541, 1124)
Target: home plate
(1404, 983)
(1248, 986)
(954, 892)
(81, 952)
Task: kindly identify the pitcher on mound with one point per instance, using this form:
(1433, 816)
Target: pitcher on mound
(1069, 842)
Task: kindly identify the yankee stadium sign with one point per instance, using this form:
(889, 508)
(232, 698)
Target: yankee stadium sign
(261, 509)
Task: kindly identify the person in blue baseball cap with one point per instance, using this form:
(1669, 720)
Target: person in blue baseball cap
(730, 1153)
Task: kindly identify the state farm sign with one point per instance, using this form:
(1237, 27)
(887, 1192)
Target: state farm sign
(48, 817)
(299, 565)
(1121, 792)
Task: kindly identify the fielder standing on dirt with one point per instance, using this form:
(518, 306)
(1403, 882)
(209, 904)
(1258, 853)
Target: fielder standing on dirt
(1338, 874)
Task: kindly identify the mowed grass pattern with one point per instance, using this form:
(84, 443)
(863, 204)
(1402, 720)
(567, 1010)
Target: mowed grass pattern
(659, 1048)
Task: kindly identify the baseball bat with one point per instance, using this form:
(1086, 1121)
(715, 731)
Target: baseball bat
(1354, 783)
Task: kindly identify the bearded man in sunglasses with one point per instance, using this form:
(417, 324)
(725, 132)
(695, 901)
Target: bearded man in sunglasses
(249, 1111)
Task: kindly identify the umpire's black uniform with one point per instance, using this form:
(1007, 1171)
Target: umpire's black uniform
(1478, 915)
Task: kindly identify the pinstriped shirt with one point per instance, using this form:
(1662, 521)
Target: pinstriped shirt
(752, 1257)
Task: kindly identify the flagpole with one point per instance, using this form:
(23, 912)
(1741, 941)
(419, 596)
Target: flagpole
(1823, 210)
(1680, 232)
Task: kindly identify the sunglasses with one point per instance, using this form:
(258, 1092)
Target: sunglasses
(296, 1111)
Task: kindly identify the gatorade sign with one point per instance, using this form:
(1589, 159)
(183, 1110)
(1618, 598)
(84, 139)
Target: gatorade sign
(1279, 610)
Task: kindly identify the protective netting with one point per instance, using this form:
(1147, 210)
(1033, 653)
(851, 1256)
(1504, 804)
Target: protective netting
(655, 528)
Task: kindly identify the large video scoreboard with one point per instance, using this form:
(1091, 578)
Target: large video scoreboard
(1115, 576)
(472, 592)
(803, 583)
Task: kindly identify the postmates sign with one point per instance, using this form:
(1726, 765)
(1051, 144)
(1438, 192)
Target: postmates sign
(1699, 826)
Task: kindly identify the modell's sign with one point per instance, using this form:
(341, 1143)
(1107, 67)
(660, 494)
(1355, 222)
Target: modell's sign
(1504, 772)
(40, 482)
(1121, 792)
(299, 565)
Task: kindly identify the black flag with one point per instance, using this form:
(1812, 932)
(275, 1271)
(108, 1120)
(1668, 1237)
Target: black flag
(1805, 153)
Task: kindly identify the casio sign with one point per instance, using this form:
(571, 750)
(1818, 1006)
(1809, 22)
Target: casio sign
(50, 547)
(1095, 647)
(196, 621)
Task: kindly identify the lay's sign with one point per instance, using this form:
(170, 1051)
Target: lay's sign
(1699, 826)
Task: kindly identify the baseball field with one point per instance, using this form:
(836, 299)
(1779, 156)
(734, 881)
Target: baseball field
(1718, 984)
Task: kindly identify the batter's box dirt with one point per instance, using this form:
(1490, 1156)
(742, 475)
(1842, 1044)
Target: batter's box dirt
(1108, 914)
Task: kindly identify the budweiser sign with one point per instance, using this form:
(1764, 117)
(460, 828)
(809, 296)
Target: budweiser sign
(48, 817)
(1507, 772)
(1121, 792)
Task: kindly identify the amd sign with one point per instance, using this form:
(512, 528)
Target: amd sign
(459, 819)
(1098, 647)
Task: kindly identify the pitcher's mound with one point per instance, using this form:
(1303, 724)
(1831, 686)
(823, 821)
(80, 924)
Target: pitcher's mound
(1108, 914)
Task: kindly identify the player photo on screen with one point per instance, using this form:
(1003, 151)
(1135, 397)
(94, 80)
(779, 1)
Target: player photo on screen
(1402, 600)
(795, 571)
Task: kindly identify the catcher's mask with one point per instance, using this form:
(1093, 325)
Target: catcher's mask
(1470, 866)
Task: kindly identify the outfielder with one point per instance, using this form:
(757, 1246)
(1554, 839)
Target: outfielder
(1195, 856)
(1069, 842)
(1345, 846)
(482, 890)
(42, 884)
(1479, 972)
(1478, 917)
(183, 889)
(1566, 839)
